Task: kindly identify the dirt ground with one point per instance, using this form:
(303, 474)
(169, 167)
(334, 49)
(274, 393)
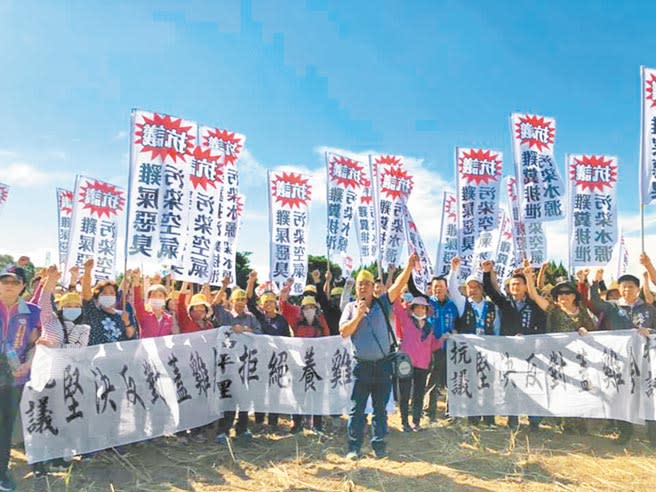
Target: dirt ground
(445, 456)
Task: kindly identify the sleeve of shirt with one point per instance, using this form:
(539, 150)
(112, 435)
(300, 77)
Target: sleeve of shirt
(324, 326)
(52, 329)
(598, 305)
(139, 307)
(291, 313)
(493, 293)
(347, 314)
(454, 293)
(184, 321)
(255, 325)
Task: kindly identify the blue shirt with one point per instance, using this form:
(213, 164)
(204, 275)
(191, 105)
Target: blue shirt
(371, 339)
(444, 316)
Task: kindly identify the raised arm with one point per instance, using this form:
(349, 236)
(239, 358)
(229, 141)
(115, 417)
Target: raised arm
(391, 270)
(395, 289)
(490, 290)
(52, 331)
(250, 284)
(541, 275)
(532, 291)
(649, 266)
(87, 294)
(346, 293)
(649, 297)
(454, 292)
(599, 305)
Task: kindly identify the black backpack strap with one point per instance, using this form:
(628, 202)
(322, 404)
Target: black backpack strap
(394, 342)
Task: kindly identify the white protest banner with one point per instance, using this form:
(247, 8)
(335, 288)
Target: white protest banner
(392, 187)
(289, 201)
(346, 178)
(160, 156)
(478, 176)
(647, 135)
(64, 213)
(505, 255)
(541, 188)
(593, 209)
(224, 149)
(600, 375)
(447, 246)
(87, 399)
(4, 195)
(529, 239)
(97, 212)
(422, 275)
(622, 257)
(365, 225)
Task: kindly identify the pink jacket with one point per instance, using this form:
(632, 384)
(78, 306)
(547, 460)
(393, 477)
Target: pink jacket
(149, 325)
(420, 351)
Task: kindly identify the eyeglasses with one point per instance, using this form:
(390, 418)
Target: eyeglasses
(10, 281)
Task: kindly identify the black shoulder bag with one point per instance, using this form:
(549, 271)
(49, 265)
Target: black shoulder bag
(401, 362)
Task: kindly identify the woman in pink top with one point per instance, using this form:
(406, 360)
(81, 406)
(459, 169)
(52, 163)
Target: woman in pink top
(156, 322)
(419, 343)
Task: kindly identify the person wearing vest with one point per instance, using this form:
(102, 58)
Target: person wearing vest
(364, 321)
(519, 316)
(476, 314)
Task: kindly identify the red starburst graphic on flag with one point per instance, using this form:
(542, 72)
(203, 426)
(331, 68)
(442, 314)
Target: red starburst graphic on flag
(450, 207)
(66, 202)
(240, 205)
(479, 166)
(228, 144)
(346, 172)
(388, 160)
(291, 189)
(164, 137)
(535, 131)
(206, 170)
(593, 172)
(650, 89)
(366, 197)
(395, 182)
(4, 194)
(101, 198)
(510, 186)
(506, 228)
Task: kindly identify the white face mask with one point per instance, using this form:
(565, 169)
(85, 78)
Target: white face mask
(309, 314)
(108, 301)
(157, 303)
(71, 313)
(420, 318)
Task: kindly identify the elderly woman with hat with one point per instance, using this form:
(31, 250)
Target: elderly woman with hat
(155, 322)
(417, 340)
(195, 315)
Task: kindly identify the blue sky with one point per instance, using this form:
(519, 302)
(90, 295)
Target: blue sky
(410, 78)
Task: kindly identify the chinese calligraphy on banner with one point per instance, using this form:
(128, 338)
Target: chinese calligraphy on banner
(92, 398)
(648, 135)
(565, 375)
(289, 200)
(593, 205)
(346, 178)
(365, 225)
(64, 213)
(505, 255)
(4, 195)
(97, 211)
(541, 188)
(529, 239)
(478, 175)
(392, 187)
(421, 276)
(622, 257)
(447, 247)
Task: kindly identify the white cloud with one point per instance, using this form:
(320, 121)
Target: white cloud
(25, 175)
(251, 172)
(7, 153)
(120, 135)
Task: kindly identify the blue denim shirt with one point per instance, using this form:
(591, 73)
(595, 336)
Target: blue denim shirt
(372, 333)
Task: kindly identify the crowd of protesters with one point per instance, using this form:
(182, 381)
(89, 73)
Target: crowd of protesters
(77, 314)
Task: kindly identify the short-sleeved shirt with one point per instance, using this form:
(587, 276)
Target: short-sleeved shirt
(105, 327)
(371, 338)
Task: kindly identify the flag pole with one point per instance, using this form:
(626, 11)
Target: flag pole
(642, 226)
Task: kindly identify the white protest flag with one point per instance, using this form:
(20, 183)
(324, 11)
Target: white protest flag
(600, 375)
(478, 176)
(647, 135)
(505, 254)
(4, 195)
(290, 194)
(593, 209)
(622, 257)
(64, 213)
(92, 398)
(529, 239)
(422, 275)
(392, 188)
(160, 156)
(541, 188)
(447, 246)
(365, 225)
(98, 209)
(224, 149)
(345, 179)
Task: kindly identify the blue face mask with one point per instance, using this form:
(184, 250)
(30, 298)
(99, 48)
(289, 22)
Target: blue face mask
(71, 313)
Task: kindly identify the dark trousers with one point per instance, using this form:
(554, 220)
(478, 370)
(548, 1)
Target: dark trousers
(9, 401)
(225, 423)
(417, 385)
(273, 418)
(436, 381)
(317, 421)
(370, 378)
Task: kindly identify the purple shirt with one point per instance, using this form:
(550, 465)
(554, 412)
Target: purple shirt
(17, 326)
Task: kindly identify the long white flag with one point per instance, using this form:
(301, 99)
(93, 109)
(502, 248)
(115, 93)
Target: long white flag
(648, 135)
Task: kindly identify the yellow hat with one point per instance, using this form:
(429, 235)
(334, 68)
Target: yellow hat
(199, 300)
(336, 291)
(267, 296)
(308, 301)
(364, 276)
(613, 285)
(310, 288)
(238, 294)
(69, 298)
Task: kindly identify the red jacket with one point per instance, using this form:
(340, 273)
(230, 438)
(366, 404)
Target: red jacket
(186, 324)
(298, 324)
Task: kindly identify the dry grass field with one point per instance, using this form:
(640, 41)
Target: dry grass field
(443, 457)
